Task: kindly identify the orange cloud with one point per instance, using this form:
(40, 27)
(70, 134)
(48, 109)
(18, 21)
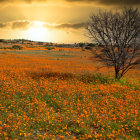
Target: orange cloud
(105, 2)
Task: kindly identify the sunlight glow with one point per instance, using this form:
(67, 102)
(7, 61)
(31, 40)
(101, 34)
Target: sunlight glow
(37, 32)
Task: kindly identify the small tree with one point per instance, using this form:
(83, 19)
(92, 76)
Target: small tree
(118, 36)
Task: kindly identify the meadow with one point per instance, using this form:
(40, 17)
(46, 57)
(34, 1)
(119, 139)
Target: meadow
(64, 93)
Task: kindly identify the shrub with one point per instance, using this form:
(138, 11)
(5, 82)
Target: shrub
(4, 47)
(17, 47)
(81, 45)
(88, 47)
(49, 48)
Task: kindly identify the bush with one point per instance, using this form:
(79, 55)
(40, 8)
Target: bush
(81, 45)
(49, 48)
(88, 47)
(1, 40)
(4, 47)
(17, 47)
(91, 45)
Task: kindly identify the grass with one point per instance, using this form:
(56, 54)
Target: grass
(52, 53)
(40, 99)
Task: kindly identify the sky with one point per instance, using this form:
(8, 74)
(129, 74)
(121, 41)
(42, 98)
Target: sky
(58, 21)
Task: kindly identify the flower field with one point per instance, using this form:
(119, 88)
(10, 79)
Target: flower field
(57, 94)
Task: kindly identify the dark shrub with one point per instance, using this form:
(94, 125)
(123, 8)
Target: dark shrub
(17, 47)
(88, 47)
(49, 48)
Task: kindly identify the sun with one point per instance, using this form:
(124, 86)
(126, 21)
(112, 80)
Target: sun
(37, 32)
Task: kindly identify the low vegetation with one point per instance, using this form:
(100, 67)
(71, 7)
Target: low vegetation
(50, 48)
(14, 47)
(17, 47)
(45, 98)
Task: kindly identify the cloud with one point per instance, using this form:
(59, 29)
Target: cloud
(26, 1)
(109, 2)
(105, 2)
(73, 26)
(23, 25)
(65, 26)
(20, 25)
(16, 25)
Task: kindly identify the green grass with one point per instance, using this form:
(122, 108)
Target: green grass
(96, 78)
(55, 54)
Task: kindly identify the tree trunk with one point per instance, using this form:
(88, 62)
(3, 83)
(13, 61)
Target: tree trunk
(117, 76)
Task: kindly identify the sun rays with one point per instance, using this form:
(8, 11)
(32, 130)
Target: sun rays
(37, 31)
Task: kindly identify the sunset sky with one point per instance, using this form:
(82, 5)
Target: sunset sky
(60, 21)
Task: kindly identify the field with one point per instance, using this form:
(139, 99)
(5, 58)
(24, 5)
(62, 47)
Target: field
(65, 93)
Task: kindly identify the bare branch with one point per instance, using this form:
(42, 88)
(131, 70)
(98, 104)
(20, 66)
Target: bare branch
(118, 36)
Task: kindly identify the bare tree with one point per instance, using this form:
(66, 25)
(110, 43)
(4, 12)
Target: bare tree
(118, 37)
